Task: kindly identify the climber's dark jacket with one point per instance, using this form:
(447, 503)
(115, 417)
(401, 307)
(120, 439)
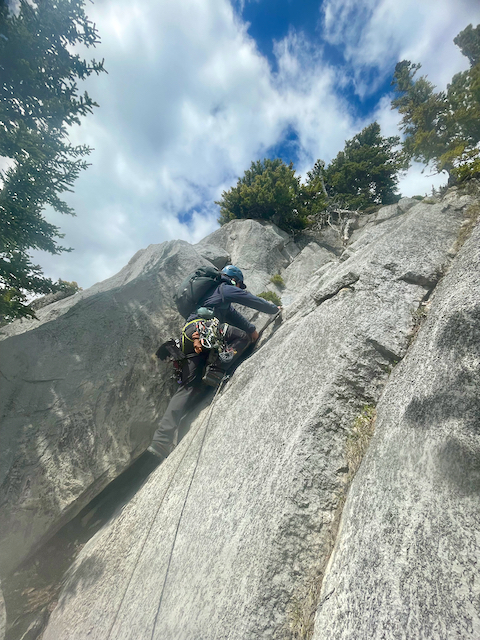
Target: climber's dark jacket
(221, 300)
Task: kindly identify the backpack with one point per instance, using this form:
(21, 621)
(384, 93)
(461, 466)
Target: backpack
(196, 287)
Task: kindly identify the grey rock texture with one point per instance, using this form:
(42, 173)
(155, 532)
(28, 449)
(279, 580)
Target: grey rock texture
(80, 395)
(223, 539)
(300, 270)
(50, 298)
(214, 254)
(260, 248)
(3, 617)
(405, 563)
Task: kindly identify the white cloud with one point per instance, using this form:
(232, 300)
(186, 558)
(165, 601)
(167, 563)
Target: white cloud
(189, 102)
(419, 181)
(378, 33)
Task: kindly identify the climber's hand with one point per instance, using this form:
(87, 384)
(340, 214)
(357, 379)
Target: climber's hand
(254, 336)
(197, 345)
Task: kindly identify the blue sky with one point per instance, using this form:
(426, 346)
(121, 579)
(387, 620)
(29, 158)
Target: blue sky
(271, 21)
(198, 89)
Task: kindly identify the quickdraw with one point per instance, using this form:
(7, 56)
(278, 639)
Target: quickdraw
(211, 334)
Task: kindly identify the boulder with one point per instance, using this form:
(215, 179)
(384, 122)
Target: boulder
(259, 248)
(214, 254)
(296, 276)
(224, 538)
(405, 563)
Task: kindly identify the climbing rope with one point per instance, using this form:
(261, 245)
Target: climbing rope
(190, 485)
(184, 505)
(142, 547)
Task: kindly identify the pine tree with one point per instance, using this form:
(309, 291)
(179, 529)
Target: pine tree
(40, 99)
(314, 195)
(442, 128)
(269, 190)
(366, 171)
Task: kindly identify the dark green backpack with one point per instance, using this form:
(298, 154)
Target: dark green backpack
(196, 287)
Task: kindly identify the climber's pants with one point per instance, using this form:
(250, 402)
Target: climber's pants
(192, 392)
(238, 340)
(184, 400)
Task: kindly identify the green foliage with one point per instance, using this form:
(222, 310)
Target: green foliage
(39, 100)
(359, 438)
(271, 297)
(365, 172)
(442, 129)
(68, 287)
(468, 42)
(278, 281)
(362, 175)
(314, 195)
(269, 190)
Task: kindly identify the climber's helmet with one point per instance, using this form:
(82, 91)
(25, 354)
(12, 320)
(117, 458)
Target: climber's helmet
(235, 274)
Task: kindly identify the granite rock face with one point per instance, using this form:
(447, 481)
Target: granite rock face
(260, 248)
(223, 539)
(405, 564)
(80, 395)
(3, 616)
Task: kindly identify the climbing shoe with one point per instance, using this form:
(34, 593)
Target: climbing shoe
(158, 451)
(213, 375)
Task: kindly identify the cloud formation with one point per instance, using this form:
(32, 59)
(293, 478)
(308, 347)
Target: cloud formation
(189, 102)
(375, 34)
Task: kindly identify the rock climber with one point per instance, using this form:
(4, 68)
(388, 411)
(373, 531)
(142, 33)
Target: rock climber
(202, 369)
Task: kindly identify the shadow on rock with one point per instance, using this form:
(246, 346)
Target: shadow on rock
(461, 334)
(452, 412)
(82, 576)
(459, 464)
(29, 608)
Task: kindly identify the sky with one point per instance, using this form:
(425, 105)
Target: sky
(198, 89)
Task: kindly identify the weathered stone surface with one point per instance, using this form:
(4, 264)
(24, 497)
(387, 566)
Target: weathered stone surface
(260, 249)
(405, 564)
(50, 298)
(216, 255)
(222, 540)
(3, 617)
(145, 262)
(80, 395)
(299, 272)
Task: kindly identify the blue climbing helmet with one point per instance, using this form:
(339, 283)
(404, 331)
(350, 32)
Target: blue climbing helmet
(234, 273)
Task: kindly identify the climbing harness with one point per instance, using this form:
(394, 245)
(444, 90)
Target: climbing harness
(170, 351)
(157, 511)
(211, 334)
